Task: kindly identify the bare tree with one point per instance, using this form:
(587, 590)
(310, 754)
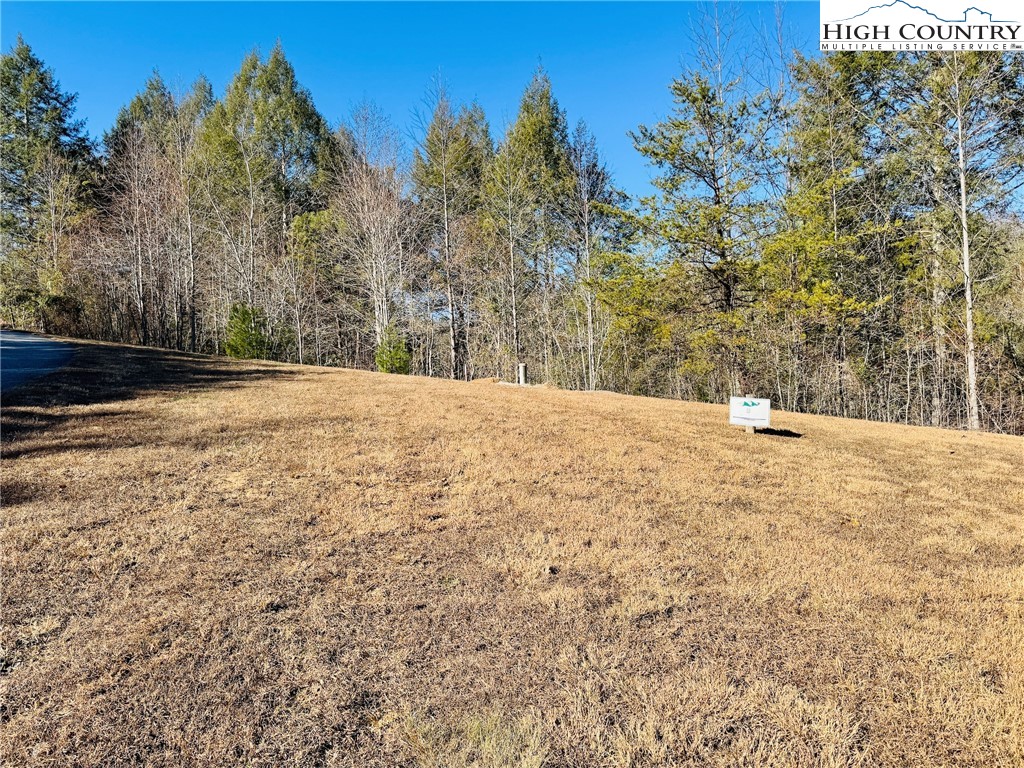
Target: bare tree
(447, 172)
(590, 189)
(976, 123)
(374, 220)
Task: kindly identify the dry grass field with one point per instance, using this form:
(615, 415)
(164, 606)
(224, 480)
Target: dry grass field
(215, 563)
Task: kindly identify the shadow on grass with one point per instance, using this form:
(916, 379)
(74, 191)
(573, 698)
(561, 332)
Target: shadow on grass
(108, 373)
(779, 432)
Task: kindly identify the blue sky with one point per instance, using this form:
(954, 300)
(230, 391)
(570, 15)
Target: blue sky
(610, 63)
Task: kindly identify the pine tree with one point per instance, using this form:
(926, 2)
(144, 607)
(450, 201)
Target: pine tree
(967, 125)
(813, 273)
(392, 354)
(246, 333)
(45, 164)
(36, 122)
(525, 193)
(707, 210)
(266, 152)
(587, 207)
(446, 173)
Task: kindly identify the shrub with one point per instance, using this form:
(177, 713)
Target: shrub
(246, 337)
(392, 353)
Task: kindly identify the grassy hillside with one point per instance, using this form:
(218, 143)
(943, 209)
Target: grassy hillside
(212, 563)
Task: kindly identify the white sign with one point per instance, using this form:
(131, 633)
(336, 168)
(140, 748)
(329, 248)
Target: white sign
(921, 25)
(750, 411)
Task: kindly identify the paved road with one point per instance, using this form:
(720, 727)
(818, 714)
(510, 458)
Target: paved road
(24, 356)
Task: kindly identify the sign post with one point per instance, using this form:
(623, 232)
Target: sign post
(750, 412)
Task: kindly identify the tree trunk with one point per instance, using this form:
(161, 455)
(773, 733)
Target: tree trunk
(973, 409)
(939, 342)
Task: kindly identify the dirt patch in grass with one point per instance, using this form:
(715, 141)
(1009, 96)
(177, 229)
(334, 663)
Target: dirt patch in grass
(212, 563)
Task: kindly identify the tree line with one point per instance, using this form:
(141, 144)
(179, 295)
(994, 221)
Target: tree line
(839, 233)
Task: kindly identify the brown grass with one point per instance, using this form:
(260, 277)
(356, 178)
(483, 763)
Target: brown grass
(209, 563)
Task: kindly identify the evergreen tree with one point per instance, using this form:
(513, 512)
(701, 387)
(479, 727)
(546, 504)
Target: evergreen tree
(392, 354)
(707, 212)
(814, 272)
(265, 150)
(246, 333)
(964, 128)
(151, 111)
(36, 123)
(525, 192)
(45, 165)
(447, 171)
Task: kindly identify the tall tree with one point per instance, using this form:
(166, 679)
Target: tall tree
(152, 187)
(587, 202)
(970, 108)
(708, 208)
(525, 192)
(266, 151)
(813, 268)
(447, 172)
(374, 225)
(510, 199)
(45, 164)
